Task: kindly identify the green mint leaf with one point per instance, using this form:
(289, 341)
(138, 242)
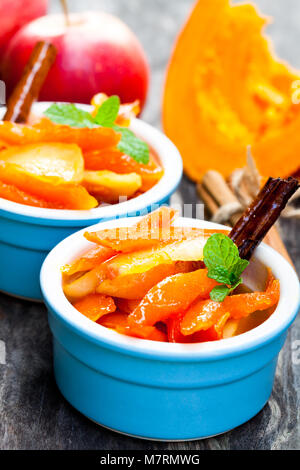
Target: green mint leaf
(221, 257)
(132, 145)
(220, 274)
(239, 267)
(68, 114)
(220, 250)
(219, 293)
(129, 144)
(108, 112)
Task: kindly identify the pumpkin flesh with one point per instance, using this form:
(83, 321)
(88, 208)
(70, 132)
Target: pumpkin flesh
(225, 90)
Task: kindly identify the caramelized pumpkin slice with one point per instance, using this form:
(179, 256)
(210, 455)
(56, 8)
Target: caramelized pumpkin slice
(46, 131)
(175, 335)
(150, 333)
(61, 161)
(109, 186)
(59, 196)
(127, 305)
(132, 239)
(135, 286)
(204, 314)
(114, 160)
(95, 306)
(151, 230)
(172, 295)
(114, 320)
(12, 193)
(242, 305)
(92, 258)
(118, 321)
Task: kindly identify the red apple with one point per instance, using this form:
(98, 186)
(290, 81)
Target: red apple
(14, 14)
(96, 53)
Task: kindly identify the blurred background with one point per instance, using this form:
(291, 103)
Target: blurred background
(38, 414)
(157, 22)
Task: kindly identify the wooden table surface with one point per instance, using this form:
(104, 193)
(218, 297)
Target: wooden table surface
(33, 414)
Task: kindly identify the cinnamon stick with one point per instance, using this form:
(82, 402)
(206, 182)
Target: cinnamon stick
(215, 193)
(256, 221)
(33, 77)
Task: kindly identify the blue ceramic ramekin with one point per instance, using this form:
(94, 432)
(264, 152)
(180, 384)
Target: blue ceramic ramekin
(27, 234)
(159, 390)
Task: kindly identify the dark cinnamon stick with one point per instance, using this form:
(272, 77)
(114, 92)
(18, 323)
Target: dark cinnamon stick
(256, 221)
(33, 77)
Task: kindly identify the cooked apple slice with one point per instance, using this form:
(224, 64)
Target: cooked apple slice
(165, 253)
(63, 162)
(109, 186)
(84, 285)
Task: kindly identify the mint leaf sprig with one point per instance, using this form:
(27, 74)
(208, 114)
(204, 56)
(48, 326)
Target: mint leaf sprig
(224, 265)
(70, 115)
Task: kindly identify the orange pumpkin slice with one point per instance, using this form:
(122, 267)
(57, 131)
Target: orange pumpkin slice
(118, 321)
(151, 230)
(46, 131)
(12, 193)
(204, 314)
(89, 260)
(95, 306)
(172, 295)
(57, 195)
(135, 286)
(114, 160)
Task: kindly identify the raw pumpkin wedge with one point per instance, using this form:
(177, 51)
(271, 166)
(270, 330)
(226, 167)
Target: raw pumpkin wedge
(225, 90)
(63, 162)
(109, 186)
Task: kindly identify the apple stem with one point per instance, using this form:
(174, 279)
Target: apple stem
(64, 5)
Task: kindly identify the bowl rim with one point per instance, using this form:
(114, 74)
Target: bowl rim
(62, 309)
(162, 145)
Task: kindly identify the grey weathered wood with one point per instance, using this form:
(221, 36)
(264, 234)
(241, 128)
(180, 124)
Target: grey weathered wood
(33, 414)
